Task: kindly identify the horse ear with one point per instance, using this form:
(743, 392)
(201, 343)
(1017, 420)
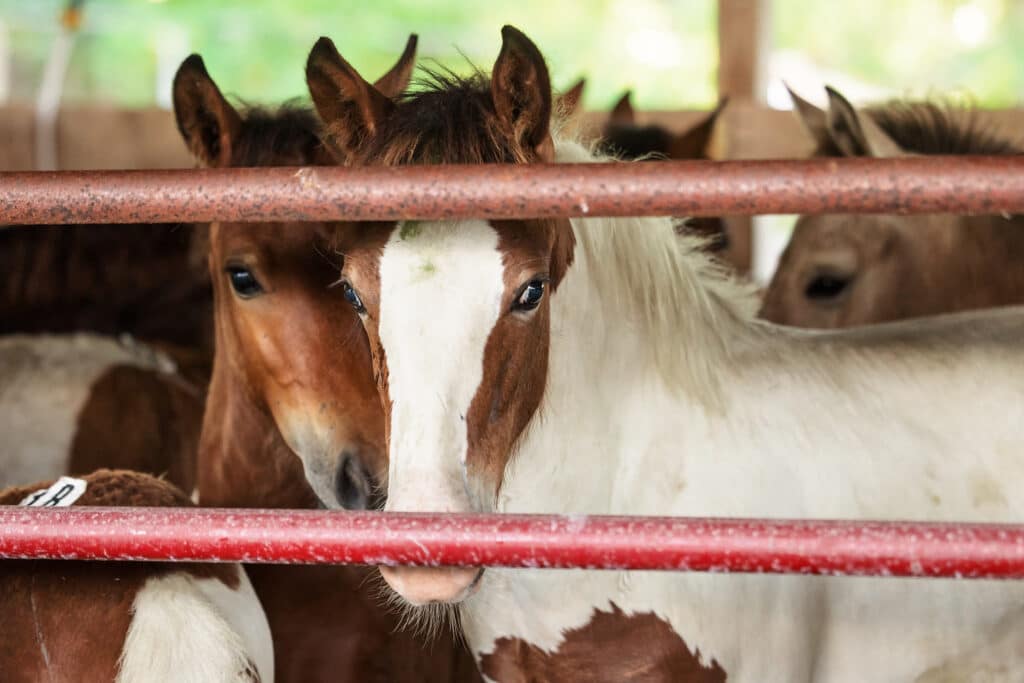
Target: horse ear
(857, 134)
(563, 249)
(351, 109)
(622, 113)
(207, 122)
(521, 92)
(815, 120)
(394, 82)
(693, 144)
(569, 102)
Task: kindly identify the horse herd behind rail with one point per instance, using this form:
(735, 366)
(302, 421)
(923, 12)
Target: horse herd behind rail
(604, 366)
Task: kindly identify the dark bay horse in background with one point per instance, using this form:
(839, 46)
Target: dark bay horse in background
(68, 621)
(141, 280)
(842, 270)
(624, 139)
(605, 366)
(293, 418)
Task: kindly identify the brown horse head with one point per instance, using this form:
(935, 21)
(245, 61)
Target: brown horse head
(292, 363)
(457, 400)
(841, 270)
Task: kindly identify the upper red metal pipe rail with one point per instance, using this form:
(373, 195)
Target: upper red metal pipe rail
(302, 536)
(987, 185)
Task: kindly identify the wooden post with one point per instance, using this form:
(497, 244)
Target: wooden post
(742, 43)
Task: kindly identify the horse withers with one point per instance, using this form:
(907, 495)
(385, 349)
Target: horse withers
(68, 621)
(605, 366)
(840, 270)
(293, 417)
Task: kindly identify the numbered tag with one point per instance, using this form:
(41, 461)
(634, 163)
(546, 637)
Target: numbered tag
(62, 494)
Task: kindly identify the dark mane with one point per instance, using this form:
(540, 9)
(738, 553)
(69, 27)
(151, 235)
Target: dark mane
(933, 128)
(444, 119)
(633, 142)
(288, 135)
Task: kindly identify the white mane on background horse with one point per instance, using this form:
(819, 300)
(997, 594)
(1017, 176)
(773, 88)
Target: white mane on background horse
(683, 301)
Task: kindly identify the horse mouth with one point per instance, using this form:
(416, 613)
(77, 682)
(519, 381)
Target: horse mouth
(432, 585)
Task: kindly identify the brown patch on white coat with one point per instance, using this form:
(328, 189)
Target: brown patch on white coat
(646, 649)
(71, 621)
(74, 403)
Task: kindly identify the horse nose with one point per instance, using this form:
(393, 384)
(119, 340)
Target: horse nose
(353, 486)
(425, 585)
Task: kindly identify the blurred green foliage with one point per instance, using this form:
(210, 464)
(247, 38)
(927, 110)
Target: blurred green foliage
(257, 49)
(913, 47)
(665, 50)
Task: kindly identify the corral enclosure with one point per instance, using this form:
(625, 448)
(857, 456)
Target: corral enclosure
(296, 409)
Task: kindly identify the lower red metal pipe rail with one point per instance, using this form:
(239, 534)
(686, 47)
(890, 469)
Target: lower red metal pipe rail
(317, 537)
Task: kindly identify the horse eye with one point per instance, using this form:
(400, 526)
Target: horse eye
(825, 287)
(352, 297)
(244, 282)
(530, 296)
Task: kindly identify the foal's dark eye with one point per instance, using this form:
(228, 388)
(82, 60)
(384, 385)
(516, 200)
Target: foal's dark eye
(825, 287)
(352, 297)
(244, 282)
(530, 296)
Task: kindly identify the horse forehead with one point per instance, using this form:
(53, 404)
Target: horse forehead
(440, 280)
(427, 257)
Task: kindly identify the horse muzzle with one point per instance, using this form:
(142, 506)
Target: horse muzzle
(426, 585)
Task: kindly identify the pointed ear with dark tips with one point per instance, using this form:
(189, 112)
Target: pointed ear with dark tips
(394, 82)
(569, 102)
(693, 143)
(815, 120)
(622, 113)
(855, 133)
(563, 249)
(521, 92)
(207, 122)
(352, 110)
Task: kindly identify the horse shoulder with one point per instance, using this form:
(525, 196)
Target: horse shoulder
(214, 625)
(612, 646)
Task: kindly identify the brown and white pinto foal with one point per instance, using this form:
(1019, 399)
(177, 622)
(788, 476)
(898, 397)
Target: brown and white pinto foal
(839, 271)
(604, 366)
(127, 622)
(70, 404)
(293, 417)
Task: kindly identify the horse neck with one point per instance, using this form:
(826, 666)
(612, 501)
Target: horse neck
(243, 460)
(609, 365)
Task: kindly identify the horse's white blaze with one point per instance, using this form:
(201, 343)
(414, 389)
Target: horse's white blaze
(441, 290)
(45, 380)
(191, 630)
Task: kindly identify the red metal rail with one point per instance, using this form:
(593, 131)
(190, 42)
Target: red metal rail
(908, 185)
(290, 536)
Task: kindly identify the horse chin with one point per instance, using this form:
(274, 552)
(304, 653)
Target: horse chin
(432, 585)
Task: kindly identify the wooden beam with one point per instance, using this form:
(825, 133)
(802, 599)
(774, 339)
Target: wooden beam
(742, 43)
